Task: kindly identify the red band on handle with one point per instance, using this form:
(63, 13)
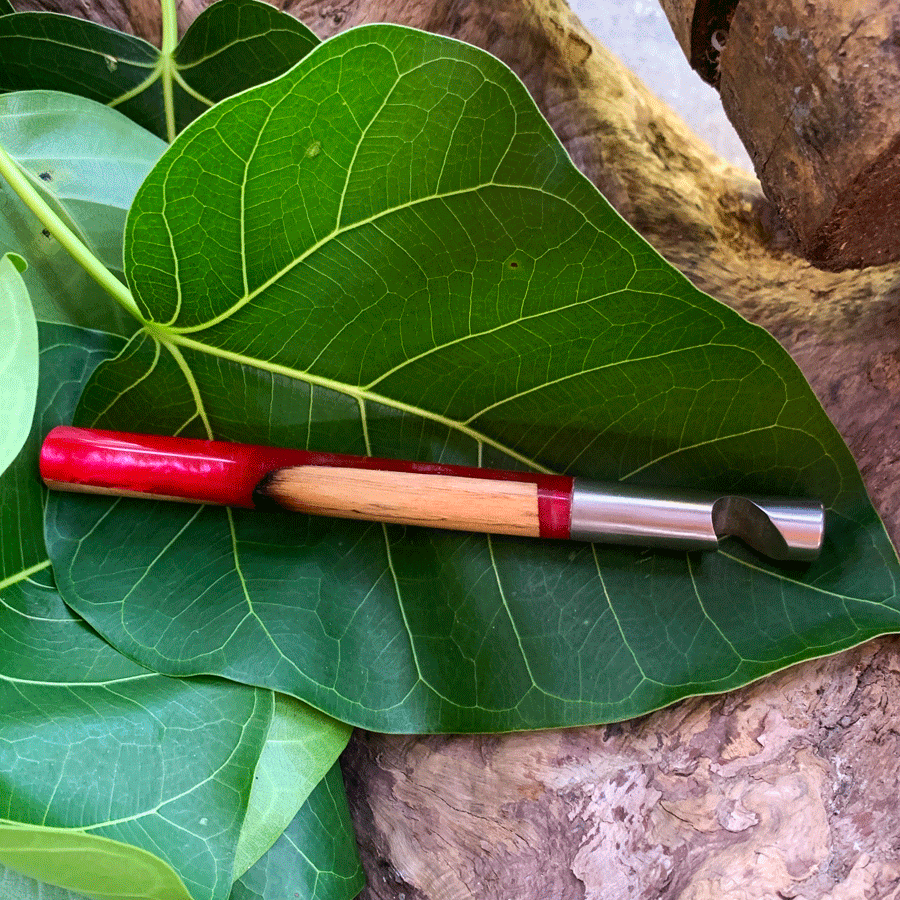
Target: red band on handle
(226, 474)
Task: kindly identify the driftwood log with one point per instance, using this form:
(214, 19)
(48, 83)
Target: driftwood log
(783, 789)
(820, 116)
(813, 90)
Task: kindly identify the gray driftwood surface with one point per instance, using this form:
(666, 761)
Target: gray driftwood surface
(784, 789)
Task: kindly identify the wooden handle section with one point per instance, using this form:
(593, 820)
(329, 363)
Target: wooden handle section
(409, 498)
(333, 484)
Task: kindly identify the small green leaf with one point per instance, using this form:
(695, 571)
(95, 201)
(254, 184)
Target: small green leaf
(316, 857)
(6, 7)
(388, 251)
(230, 46)
(18, 359)
(88, 864)
(301, 746)
(87, 162)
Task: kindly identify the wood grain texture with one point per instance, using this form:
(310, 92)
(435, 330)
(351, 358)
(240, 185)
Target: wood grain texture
(781, 790)
(73, 488)
(409, 498)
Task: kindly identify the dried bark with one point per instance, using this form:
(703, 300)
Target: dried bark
(782, 789)
(680, 14)
(816, 100)
(701, 28)
(814, 92)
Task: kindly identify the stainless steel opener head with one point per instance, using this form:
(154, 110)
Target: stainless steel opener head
(780, 528)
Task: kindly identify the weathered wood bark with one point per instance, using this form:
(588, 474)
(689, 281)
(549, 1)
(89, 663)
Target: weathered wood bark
(701, 28)
(816, 100)
(783, 789)
(814, 92)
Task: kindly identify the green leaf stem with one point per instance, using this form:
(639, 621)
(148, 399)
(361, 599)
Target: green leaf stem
(83, 163)
(230, 46)
(387, 251)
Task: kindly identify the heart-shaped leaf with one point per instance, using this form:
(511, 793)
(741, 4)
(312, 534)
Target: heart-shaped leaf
(18, 359)
(117, 781)
(86, 162)
(388, 251)
(230, 46)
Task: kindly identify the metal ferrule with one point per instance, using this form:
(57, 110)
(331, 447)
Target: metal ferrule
(781, 528)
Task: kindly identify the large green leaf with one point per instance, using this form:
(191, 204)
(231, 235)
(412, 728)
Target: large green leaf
(388, 251)
(315, 858)
(18, 359)
(87, 162)
(230, 46)
(129, 763)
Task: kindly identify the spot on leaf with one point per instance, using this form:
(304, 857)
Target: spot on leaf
(111, 62)
(304, 149)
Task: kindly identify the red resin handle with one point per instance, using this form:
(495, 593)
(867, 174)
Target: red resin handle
(218, 472)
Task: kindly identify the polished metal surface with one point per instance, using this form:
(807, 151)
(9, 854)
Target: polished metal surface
(780, 528)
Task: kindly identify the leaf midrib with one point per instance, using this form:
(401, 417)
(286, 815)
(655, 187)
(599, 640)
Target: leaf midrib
(184, 67)
(364, 395)
(332, 235)
(23, 574)
(90, 50)
(74, 685)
